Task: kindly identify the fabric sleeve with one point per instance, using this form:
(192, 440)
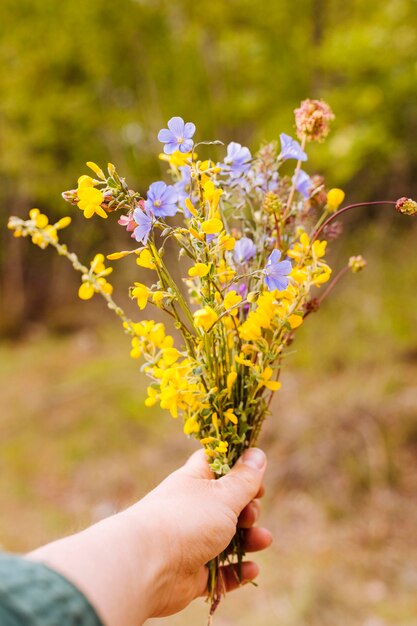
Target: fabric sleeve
(32, 594)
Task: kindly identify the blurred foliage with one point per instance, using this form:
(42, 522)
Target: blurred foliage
(95, 81)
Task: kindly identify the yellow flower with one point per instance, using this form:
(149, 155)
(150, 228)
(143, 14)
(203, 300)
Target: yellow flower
(226, 242)
(199, 269)
(137, 349)
(224, 272)
(170, 355)
(335, 198)
(205, 318)
(229, 416)
(89, 201)
(215, 420)
(152, 398)
(169, 398)
(295, 320)
(41, 220)
(141, 293)
(190, 206)
(212, 226)
(266, 381)
(191, 426)
(115, 256)
(96, 169)
(63, 222)
(145, 259)
(85, 181)
(222, 447)
(212, 195)
(86, 291)
(176, 159)
(231, 300)
(242, 361)
(231, 378)
(157, 297)
(299, 274)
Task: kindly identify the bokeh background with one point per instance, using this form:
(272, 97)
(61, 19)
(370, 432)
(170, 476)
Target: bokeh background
(96, 81)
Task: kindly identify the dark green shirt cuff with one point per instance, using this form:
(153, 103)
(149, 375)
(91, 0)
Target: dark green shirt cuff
(32, 594)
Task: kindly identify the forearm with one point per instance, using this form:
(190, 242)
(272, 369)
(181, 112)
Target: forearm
(110, 563)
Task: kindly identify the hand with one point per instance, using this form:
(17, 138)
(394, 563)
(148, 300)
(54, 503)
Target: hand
(193, 518)
(149, 560)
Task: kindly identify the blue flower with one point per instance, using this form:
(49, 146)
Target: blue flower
(303, 184)
(177, 136)
(162, 199)
(144, 221)
(237, 161)
(276, 272)
(244, 250)
(291, 149)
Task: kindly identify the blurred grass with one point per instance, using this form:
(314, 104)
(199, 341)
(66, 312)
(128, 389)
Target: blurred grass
(77, 443)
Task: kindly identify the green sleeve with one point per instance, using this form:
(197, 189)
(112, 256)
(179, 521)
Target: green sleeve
(32, 594)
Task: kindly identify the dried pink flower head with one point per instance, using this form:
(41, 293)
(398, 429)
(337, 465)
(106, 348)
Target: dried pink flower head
(312, 120)
(407, 206)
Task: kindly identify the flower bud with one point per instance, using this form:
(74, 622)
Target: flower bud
(357, 263)
(407, 206)
(271, 203)
(312, 120)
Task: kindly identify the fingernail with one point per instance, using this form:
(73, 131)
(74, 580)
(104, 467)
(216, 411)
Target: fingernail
(254, 457)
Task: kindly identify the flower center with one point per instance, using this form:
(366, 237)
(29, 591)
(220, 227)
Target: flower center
(157, 203)
(180, 139)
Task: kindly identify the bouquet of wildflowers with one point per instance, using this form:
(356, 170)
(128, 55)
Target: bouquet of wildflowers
(253, 244)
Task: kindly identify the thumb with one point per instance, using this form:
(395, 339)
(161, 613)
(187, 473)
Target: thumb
(244, 480)
(197, 466)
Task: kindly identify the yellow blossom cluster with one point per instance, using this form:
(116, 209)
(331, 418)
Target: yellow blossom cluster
(95, 280)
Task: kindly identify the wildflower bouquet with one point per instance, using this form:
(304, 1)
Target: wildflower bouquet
(253, 244)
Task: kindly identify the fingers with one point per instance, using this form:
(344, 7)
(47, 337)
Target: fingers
(256, 539)
(249, 515)
(230, 576)
(244, 480)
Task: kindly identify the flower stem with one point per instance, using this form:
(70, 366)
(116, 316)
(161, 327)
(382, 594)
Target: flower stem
(334, 216)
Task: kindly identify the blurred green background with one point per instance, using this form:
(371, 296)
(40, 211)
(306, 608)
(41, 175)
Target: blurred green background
(96, 81)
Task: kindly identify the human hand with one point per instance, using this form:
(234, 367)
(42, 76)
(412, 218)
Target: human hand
(149, 560)
(192, 518)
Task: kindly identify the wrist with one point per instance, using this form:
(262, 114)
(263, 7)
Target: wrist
(112, 564)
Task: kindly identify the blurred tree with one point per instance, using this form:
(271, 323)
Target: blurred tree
(97, 80)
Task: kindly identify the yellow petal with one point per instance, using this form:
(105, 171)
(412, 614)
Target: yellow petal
(86, 291)
(211, 227)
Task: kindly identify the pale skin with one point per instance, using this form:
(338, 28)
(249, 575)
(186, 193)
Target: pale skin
(149, 560)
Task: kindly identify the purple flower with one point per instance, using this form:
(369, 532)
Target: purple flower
(162, 199)
(144, 221)
(177, 136)
(291, 149)
(244, 250)
(303, 184)
(237, 161)
(276, 272)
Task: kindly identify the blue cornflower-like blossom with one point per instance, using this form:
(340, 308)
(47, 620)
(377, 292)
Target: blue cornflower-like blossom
(276, 272)
(244, 250)
(303, 184)
(177, 136)
(291, 149)
(162, 199)
(144, 220)
(237, 161)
